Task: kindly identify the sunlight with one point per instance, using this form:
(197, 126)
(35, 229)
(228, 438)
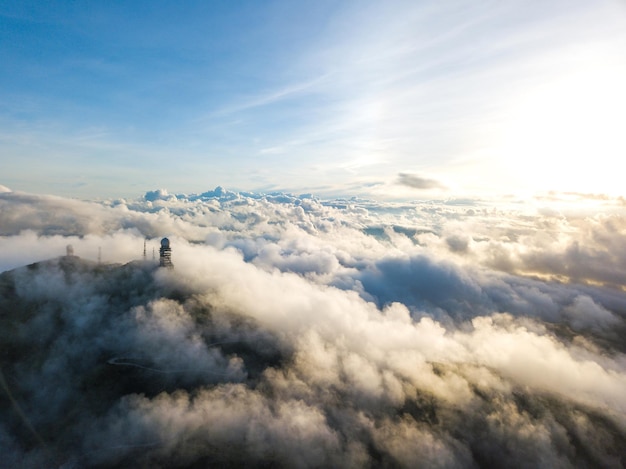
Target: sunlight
(566, 134)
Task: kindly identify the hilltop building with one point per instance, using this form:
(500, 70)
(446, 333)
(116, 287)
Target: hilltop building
(165, 254)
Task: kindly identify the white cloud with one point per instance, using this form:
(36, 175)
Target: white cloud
(305, 332)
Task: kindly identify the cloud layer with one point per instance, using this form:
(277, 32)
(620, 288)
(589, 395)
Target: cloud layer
(306, 333)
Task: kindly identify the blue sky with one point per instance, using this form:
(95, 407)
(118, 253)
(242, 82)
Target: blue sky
(390, 99)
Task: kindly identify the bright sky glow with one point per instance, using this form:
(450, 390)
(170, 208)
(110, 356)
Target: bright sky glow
(336, 98)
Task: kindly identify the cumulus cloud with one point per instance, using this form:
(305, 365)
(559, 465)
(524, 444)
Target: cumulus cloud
(160, 194)
(300, 332)
(418, 182)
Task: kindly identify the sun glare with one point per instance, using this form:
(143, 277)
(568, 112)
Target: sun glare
(567, 134)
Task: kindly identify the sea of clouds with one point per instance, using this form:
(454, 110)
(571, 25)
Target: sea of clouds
(301, 332)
